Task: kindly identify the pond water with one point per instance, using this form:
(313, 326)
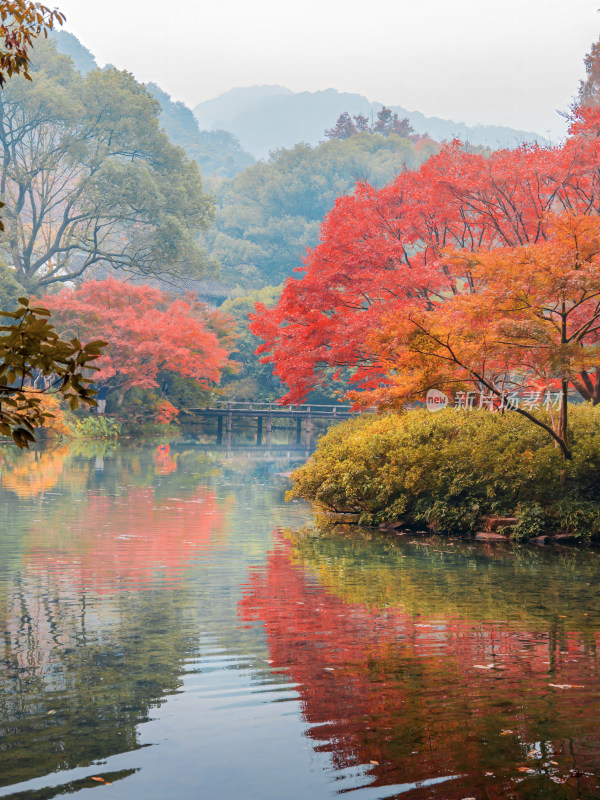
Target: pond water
(171, 627)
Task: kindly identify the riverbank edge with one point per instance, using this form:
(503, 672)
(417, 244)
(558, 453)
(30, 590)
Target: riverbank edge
(491, 534)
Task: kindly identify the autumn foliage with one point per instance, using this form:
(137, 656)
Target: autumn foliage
(149, 334)
(383, 252)
(438, 251)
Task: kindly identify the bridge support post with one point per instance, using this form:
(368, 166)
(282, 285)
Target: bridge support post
(269, 426)
(259, 431)
(308, 430)
(219, 429)
(228, 421)
(299, 430)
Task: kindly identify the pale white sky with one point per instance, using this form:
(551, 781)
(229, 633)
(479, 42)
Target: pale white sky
(512, 62)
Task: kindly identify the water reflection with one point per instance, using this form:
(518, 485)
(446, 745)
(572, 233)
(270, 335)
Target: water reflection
(135, 540)
(101, 611)
(410, 668)
(157, 634)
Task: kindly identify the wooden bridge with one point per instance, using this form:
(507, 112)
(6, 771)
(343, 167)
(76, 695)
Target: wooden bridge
(304, 414)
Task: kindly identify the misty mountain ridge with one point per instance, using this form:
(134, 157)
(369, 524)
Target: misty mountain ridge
(225, 134)
(266, 118)
(217, 152)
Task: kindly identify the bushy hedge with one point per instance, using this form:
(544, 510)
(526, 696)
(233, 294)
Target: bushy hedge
(447, 470)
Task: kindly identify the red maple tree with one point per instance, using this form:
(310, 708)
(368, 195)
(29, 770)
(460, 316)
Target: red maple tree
(148, 333)
(384, 253)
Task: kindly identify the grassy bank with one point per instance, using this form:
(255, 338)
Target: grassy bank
(449, 471)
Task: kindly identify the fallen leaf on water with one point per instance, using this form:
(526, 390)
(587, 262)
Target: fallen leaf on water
(534, 754)
(526, 769)
(505, 733)
(555, 763)
(96, 778)
(51, 712)
(566, 685)
(375, 762)
(483, 666)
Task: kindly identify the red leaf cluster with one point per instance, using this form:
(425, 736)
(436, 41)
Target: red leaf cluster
(148, 333)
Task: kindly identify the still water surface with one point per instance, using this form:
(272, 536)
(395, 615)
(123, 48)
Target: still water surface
(172, 627)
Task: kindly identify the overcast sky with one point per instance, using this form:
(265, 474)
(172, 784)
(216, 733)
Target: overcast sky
(512, 62)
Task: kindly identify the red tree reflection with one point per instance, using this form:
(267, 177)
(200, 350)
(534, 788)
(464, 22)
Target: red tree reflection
(135, 541)
(414, 699)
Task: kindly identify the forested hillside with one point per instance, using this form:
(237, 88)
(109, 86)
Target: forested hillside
(217, 152)
(265, 118)
(270, 213)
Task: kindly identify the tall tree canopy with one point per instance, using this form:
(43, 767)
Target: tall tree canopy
(30, 347)
(271, 212)
(386, 124)
(383, 254)
(89, 177)
(589, 89)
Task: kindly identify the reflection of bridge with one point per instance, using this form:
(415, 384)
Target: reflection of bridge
(302, 414)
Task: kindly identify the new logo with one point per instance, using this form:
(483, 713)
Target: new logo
(436, 400)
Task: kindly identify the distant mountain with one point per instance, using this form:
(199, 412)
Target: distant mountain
(222, 109)
(265, 118)
(218, 152)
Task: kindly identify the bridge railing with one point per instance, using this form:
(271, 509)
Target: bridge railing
(331, 409)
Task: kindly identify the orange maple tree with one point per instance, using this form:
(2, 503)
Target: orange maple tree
(529, 323)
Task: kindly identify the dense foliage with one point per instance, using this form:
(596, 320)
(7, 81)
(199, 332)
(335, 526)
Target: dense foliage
(271, 212)
(151, 339)
(254, 380)
(396, 268)
(448, 470)
(90, 178)
(217, 152)
(31, 351)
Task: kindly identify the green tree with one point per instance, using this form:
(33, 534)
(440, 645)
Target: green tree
(10, 289)
(89, 177)
(254, 381)
(30, 348)
(271, 212)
